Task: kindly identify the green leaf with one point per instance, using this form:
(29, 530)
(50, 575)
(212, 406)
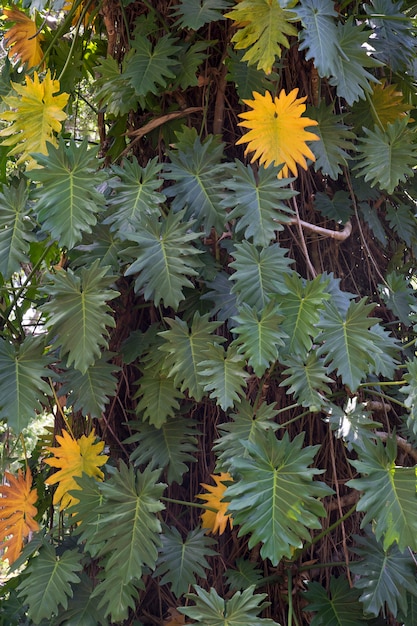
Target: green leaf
(259, 335)
(246, 78)
(383, 575)
(263, 29)
(348, 344)
(246, 574)
(190, 60)
(274, 498)
(336, 140)
(246, 424)
(78, 314)
(224, 301)
(129, 523)
(186, 348)
(47, 582)
(112, 89)
(165, 259)
(393, 36)
(402, 221)
(115, 597)
(388, 494)
(198, 176)
(15, 229)
(67, 202)
(387, 157)
(256, 202)
(241, 609)
(301, 307)
(170, 447)
(259, 273)
(308, 381)
(102, 245)
(180, 560)
(136, 195)
(338, 208)
(82, 608)
(194, 14)
(370, 216)
(340, 607)
(89, 392)
(23, 389)
(319, 36)
(398, 295)
(157, 392)
(225, 375)
(149, 69)
(352, 79)
(85, 513)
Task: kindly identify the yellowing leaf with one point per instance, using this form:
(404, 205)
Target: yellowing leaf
(277, 132)
(262, 27)
(384, 106)
(73, 457)
(17, 511)
(80, 11)
(23, 39)
(36, 114)
(216, 520)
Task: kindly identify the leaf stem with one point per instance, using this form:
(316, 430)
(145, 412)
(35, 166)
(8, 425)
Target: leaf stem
(185, 503)
(385, 397)
(328, 530)
(290, 605)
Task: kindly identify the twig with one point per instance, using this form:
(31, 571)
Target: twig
(297, 221)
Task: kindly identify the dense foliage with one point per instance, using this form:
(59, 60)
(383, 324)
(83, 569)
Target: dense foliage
(208, 237)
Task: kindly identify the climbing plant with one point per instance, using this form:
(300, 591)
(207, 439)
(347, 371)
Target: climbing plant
(208, 281)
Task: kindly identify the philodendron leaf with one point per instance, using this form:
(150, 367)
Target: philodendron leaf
(194, 15)
(259, 335)
(242, 609)
(186, 348)
(260, 273)
(171, 447)
(181, 560)
(319, 35)
(22, 385)
(387, 157)
(308, 381)
(47, 582)
(388, 496)
(275, 499)
(224, 375)
(165, 259)
(246, 423)
(246, 574)
(67, 201)
(341, 606)
(15, 229)
(257, 202)
(78, 315)
(383, 575)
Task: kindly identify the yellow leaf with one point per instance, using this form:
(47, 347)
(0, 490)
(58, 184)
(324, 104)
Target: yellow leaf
(36, 114)
(79, 11)
(216, 521)
(73, 457)
(17, 511)
(385, 106)
(263, 26)
(23, 39)
(277, 132)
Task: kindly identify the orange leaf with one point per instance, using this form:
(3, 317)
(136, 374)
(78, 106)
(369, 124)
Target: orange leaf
(23, 39)
(17, 511)
(277, 132)
(216, 520)
(73, 457)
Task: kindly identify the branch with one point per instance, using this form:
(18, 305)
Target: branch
(340, 235)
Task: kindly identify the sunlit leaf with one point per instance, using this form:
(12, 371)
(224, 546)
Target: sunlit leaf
(36, 114)
(277, 131)
(263, 28)
(23, 39)
(17, 512)
(73, 457)
(218, 519)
